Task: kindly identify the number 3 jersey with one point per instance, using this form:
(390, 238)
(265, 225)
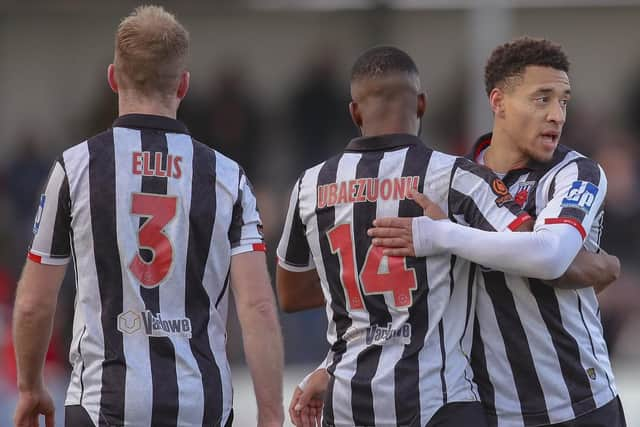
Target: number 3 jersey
(399, 328)
(151, 218)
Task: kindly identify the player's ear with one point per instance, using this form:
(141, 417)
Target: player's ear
(111, 78)
(183, 86)
(422, 104)
(354, 111)
(496, 100)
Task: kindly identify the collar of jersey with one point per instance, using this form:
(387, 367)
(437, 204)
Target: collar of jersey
(382, 142)
(485, 141)
(149, 121)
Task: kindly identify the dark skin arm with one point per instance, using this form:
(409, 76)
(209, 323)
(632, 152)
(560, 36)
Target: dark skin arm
(298, 291)
(588, 269)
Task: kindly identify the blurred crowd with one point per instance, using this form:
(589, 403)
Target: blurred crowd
(274, 145)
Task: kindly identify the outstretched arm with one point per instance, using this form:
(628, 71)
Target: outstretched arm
(260, 333)
(549, 250)
(33, 314)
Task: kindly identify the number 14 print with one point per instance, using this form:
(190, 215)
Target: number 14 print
(380, 273)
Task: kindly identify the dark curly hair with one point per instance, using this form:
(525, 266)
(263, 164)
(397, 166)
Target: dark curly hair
(510, 59)
(380, 61)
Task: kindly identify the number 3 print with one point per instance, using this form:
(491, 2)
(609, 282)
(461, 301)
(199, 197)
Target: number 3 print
(159, 210)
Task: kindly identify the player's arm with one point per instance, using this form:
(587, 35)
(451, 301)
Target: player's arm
(305, 408)
(37, 296)
(297, 280)
(298, 291)
(261, 335)
(256, 307)
(588, 269)
(33, 314)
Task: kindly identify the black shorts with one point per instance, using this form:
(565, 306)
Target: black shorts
(456, 414)
(459, 414)
(77, 416)
(609, 415)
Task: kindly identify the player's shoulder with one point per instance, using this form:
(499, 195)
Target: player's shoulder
(566, 158)
(439, 160)
(314, 171)
(79, 153)
(223, 164)
(466, 166)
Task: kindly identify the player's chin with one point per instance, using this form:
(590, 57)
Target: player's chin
(544, 154)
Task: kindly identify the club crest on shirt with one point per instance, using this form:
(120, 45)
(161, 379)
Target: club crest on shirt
(581, 195)
(36, 223)
(592, 373)
(522, 192)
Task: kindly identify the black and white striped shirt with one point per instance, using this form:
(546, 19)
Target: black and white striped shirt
(151, 218)
(539, 355)
(399, 328)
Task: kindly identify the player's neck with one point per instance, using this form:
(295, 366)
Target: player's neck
(390, 127)
(128, 105)
(503, 154)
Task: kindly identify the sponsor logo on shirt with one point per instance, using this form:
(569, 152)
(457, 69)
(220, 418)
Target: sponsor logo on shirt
(376, 335)
(382, 336)
(36, 223)
(581, 195)
(501, 190)
(153, 325)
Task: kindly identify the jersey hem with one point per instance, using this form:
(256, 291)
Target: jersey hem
(295, 268)
(249, 247)
(519, 221)
(516, 419)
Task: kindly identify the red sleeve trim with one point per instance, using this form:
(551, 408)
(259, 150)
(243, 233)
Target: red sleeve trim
(35, 258)
(524, 217)
(571, 221)
(260, 247)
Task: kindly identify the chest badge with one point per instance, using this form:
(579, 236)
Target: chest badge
(522, 192)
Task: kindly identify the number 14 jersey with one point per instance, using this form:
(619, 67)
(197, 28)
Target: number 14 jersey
(151, 219)
(400, 329)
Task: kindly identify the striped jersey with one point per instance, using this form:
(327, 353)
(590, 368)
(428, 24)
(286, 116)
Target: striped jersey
(400, 329)
(539, 355)
(151, 219)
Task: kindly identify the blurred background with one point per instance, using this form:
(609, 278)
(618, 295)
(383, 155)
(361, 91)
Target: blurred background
(270, 89)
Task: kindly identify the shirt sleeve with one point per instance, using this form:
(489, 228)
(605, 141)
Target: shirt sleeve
(576, 195)
(52, 226)
(481, 200)
(245, 230)
(293, 251)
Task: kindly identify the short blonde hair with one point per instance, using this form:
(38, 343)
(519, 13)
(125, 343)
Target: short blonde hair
(151, 51)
